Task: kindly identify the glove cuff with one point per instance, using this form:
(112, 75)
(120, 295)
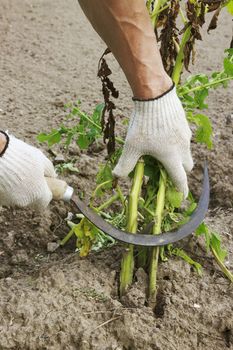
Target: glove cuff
(161, 112)
(157, 97)
(7, 142)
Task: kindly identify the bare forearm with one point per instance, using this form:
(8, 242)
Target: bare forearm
(126, 28)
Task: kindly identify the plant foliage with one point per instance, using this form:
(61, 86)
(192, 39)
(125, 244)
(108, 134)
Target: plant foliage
(178, 51)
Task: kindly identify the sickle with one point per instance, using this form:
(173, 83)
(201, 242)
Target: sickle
(142, 239)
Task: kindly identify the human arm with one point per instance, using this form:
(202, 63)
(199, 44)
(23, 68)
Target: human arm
(157, 127)
(126, 29)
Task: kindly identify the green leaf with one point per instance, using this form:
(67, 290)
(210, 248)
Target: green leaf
(69, 138)
(55, 137)
(74, 111)
(204, 230)
(86, 234)
(83, 141)
(78, 230)
(151, 169)
(230, 52)
(81, 128)
(190, 209)
(86, 128)
(104, 175)
(174, 197)
(230, 7)
(204, 130)
(97, 114)
(151, 192)
(42, 137)
(125, 122)
(215, 242)
(51, 138)
(200, 97)
(197, 86)
(194, 79)
(228, 67)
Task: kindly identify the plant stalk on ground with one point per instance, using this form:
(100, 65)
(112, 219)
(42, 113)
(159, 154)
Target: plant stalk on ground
(160, 202)
(127, 263)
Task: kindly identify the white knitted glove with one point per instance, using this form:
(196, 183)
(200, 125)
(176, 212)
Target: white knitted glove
(22, 176)
(159, 128)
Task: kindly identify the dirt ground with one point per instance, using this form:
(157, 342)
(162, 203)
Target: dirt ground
(55, 301)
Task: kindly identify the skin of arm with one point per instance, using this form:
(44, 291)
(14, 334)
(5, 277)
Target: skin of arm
(158, 125)
(126, 28)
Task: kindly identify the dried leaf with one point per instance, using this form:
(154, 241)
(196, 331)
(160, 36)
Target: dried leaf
(108, 89)
(195, 11)
(214, 20)
(212, 4)
(169, 36)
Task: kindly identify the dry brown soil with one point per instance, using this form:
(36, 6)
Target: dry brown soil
(48, 56)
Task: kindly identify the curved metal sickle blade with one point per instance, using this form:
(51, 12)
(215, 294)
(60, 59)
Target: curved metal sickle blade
(152, 240)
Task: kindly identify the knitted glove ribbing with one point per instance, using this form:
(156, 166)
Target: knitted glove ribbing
(22, 176)
(159, 128)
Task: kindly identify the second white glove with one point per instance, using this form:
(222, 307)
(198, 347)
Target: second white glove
(159, 128)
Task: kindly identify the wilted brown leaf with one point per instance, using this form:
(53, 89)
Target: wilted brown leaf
(214, 20)
(212, 4)
(195, 12)
(169, 35)
(108, 89)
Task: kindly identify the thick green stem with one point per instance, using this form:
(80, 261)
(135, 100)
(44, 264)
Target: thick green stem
(180, 57)
(226, 272)
(127, 263)
(160, 202)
